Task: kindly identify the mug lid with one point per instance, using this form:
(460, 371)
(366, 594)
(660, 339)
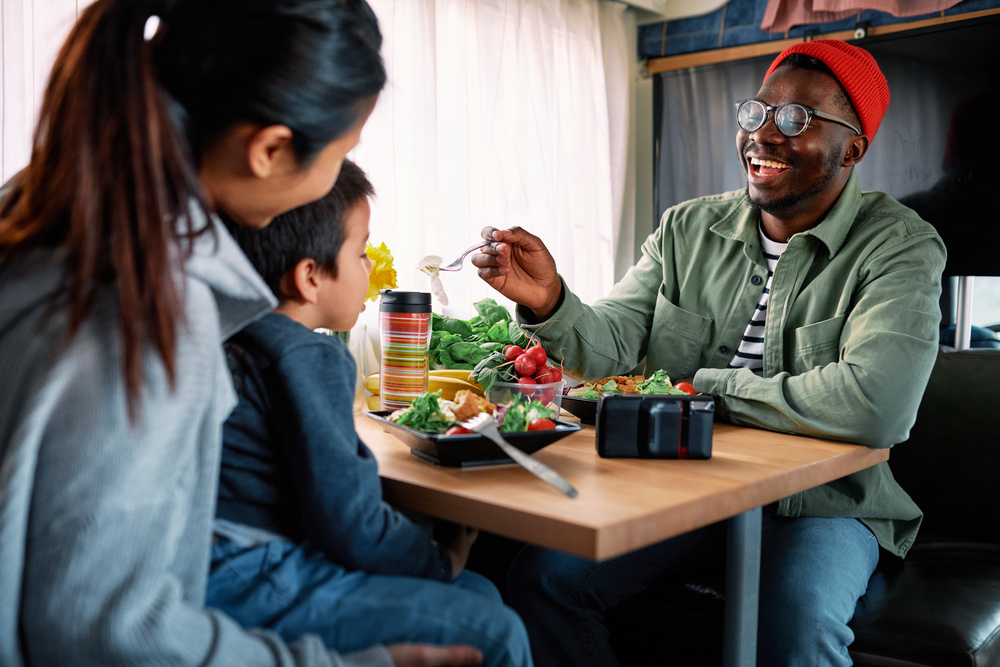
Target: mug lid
(391, 296)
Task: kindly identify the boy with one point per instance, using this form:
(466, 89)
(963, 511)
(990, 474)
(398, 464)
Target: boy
(304, 541)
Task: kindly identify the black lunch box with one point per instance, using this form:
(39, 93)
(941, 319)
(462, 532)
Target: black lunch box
(655, 426)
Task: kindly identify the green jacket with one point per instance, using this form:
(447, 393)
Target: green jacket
(850, 339)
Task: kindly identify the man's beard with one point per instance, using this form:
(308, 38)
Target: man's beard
(831, 164)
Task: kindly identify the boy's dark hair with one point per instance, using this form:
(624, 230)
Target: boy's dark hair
(314, 231)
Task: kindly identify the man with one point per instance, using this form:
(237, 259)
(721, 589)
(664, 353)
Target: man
(805, 306)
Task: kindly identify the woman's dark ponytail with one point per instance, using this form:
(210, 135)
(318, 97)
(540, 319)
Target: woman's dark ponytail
(109, 179)
(124, 122)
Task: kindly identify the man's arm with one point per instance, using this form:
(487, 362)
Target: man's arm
(885, 353)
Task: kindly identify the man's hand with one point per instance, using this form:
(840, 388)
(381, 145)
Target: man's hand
(458, 540)
(519, 266)
(424, 655)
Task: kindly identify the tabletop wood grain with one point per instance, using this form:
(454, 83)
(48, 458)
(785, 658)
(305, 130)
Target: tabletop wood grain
(624, 504)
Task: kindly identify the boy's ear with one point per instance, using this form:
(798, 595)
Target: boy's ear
(302, 282)
(266, 148)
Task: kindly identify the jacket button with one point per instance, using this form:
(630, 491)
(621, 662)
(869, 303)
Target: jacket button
(724, 349)
(756, 280)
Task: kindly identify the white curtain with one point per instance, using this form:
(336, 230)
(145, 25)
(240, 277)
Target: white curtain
(497, 112)
(31, 32)
(500, 113)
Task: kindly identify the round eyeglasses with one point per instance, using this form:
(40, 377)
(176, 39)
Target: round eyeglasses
(790, 119)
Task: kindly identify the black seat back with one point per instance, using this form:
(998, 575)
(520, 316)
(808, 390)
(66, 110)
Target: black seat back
(951, 463)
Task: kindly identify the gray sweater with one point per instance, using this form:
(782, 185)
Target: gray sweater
(105, 526)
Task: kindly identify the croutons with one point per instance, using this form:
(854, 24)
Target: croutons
(469, 404)
(626, 383)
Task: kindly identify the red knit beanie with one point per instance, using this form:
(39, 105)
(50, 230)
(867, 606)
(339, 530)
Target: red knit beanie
(857, 72)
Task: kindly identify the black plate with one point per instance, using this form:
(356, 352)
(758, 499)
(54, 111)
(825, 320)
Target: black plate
(584, 408)
(465, 451)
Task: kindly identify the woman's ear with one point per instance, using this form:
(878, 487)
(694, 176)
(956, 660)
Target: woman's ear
(301, 283)
(267, 148)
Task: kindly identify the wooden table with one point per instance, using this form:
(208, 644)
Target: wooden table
(625, 504)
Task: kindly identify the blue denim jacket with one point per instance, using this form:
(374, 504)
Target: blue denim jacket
(293, 464)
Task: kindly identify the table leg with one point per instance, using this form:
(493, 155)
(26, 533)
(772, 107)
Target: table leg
(742, 589)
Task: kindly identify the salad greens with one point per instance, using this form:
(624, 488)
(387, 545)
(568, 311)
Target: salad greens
(425, 414)
(519, 415)
(657, 383)
(464, 344)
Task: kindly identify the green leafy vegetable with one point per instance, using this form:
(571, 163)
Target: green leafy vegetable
(519, 415)
(492, 312)
(657, 383)
(487, 332)
(515, 334)
(451, 325)
(487, 371)
(498, 333)
(467, 352)
(424, 414)
(583, 391)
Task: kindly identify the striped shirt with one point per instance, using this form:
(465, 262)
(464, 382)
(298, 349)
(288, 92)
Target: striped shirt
(750, 353)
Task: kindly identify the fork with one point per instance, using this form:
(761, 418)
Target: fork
(457, 264)
(484, 424)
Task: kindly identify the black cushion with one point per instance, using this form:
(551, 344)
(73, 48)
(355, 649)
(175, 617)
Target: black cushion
(951, 463)
(941, 606)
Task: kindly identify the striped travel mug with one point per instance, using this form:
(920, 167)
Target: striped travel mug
(405, 336)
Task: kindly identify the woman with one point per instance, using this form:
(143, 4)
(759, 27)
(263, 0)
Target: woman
(117, 287)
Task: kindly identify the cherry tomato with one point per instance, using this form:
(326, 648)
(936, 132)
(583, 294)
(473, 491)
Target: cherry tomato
(525, 365)
(547, 374)
(541, 424)
(512, 352)
(685, 387)
(537, 352)
(458, 430)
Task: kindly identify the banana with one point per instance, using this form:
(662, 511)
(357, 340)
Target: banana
(457, 373)
(448, 386)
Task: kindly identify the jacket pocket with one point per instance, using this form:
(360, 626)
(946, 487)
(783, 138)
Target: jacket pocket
(817, 344)
(676, 339)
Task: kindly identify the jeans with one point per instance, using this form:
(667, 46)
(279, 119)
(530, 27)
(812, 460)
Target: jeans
(294, 590)
(813, 571)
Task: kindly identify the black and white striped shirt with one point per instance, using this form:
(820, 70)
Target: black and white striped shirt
(750, 353)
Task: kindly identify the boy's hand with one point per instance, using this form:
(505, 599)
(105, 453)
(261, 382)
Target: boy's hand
(519, 266)
(424, 655)
(458, 541)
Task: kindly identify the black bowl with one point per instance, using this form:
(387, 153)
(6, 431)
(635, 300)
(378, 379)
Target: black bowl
(470, 450)
(584, 408)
